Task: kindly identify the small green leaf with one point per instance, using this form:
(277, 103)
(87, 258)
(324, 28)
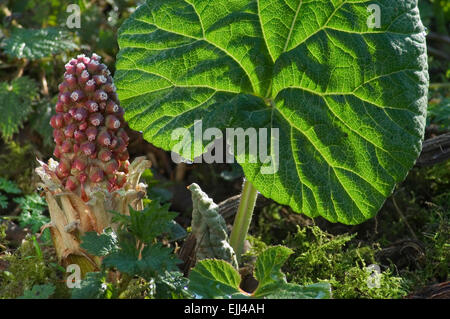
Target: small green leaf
(9, 186)
(3, 201)
(93, 286)
(32, 207)
(99, 245)
(39, 292)
(176, 231)
(214, 278)
(268, 269)
(36, 44)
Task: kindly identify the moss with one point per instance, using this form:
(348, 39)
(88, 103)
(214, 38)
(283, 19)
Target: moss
(29, 266)
(137, 288)
(320, 256)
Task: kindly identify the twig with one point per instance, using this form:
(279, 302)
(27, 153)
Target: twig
(44, 83)
(403, 218)
(8, 14)
(22, 64)
(435, 150)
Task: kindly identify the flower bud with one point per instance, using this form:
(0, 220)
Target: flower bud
(101, 95)
(69, 130)
(112, 107)
(65, 97)
(92, 106)
(80, 114)
(59, 136)
(111, 166)
(112, 122)
(84, 77)
(92, 66)
(88, 148)
(104, 138)
(59, 107)
(79, 136)
(57, 121)
(71, 183)
(91, 133)
(80, 68)
(99, 79)
(104, 155)
(90, 86)
(123, 135)
(63, 167)
(83, 126)
(66, 146)
(96, 119)
(96, 175)
(79, 163)
(77, 95)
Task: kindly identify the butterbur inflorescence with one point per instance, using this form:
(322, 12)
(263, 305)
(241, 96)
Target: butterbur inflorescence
(93, 176)
(91, 142)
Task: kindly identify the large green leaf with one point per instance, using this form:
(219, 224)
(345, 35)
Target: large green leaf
(349, 101)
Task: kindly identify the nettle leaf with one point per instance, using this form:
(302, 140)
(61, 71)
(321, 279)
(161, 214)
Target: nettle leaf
(15, 104)
(93, 286)
(148, 223)
(100, 245)
(38, 43)
(39, 292)
(349, 100)
(215, 278)
(148, 262)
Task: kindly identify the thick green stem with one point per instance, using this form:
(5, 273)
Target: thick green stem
(243, 218)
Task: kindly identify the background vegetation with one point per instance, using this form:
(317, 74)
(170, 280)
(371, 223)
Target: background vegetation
(409, 238)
